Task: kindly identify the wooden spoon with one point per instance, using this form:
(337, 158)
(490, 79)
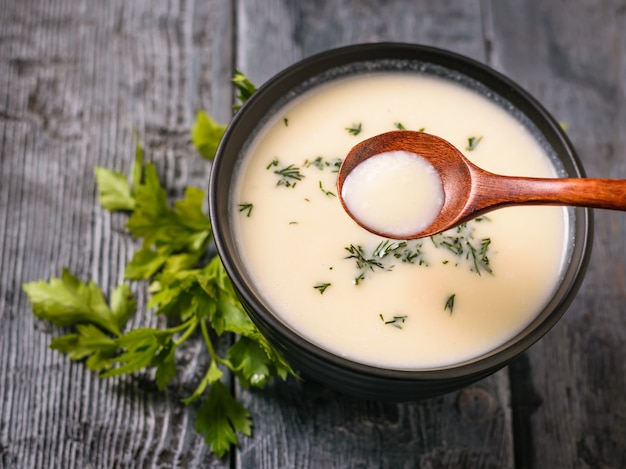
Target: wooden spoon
(470, 191)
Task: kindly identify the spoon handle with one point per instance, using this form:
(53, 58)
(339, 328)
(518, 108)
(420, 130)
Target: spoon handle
(576, 192)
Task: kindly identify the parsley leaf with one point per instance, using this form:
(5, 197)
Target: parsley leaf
(172, 237)
(174, 242)
(206, 134)
(251, 363)
(220, 418)
(90, 343)
(245, 89)
(66, 301)
(114, 190)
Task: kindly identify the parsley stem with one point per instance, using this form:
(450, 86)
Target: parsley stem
(190, 330)
(211, 349)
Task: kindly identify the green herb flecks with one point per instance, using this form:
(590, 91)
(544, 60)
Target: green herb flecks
(288, 176)
(396, 321)
(355, 129)
(472, 143)
(363, 263)
(461, 243)
(334, 164)
(404, 251)
(449, 306)
(321, 163)
(359, 278)
(384, 255)
(327, 192)
(318, 163)
(387, 247)
(479, 256)
(246, 208)
(322, 287)
(357, 253)
(399, 126)
(286, 122)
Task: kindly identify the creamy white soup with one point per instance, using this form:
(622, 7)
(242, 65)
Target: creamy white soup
(395, 193)
(396, 304)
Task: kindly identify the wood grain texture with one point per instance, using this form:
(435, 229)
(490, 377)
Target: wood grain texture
(572, 56)
(77, 77)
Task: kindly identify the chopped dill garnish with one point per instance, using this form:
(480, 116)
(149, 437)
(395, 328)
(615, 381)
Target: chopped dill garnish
(322, 287)
(317, 162)
(400, 250)
(288, 175)
(399, 126)
(321, 164)
(450, 303)
(387, 247)
(355, 129)
(357, 280)
(328, 193)
(462, 244)
(246, 207)
(384, 254)
(286, 122)
(396, 321)
(335, 164)
(362, 262)
(472, 143)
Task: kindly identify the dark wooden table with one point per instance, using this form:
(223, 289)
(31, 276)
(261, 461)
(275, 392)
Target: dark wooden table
(77, 77)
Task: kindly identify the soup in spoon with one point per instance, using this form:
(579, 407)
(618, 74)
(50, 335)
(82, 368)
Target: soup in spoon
(395, 192)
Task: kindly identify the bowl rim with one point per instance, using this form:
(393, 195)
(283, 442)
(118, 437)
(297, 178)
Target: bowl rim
(289, 341)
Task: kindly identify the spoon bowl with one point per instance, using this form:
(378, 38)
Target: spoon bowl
(469, 191)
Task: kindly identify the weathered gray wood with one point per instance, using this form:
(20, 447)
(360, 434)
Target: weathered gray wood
(295, 427)
(76, 79)
(306, 425)
(273, 34)
(571, 56)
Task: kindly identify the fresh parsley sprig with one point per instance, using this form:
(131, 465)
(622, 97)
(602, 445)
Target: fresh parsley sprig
(245, 89)
(196, 296)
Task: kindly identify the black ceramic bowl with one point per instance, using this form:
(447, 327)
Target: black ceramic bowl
(339, 373)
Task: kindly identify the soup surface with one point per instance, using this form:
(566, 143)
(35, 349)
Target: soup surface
(405, 305)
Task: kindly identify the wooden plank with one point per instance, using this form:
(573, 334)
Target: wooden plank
(304, 424)
(272, 34)
(76, 78)
(307, 425)
(570, 409)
